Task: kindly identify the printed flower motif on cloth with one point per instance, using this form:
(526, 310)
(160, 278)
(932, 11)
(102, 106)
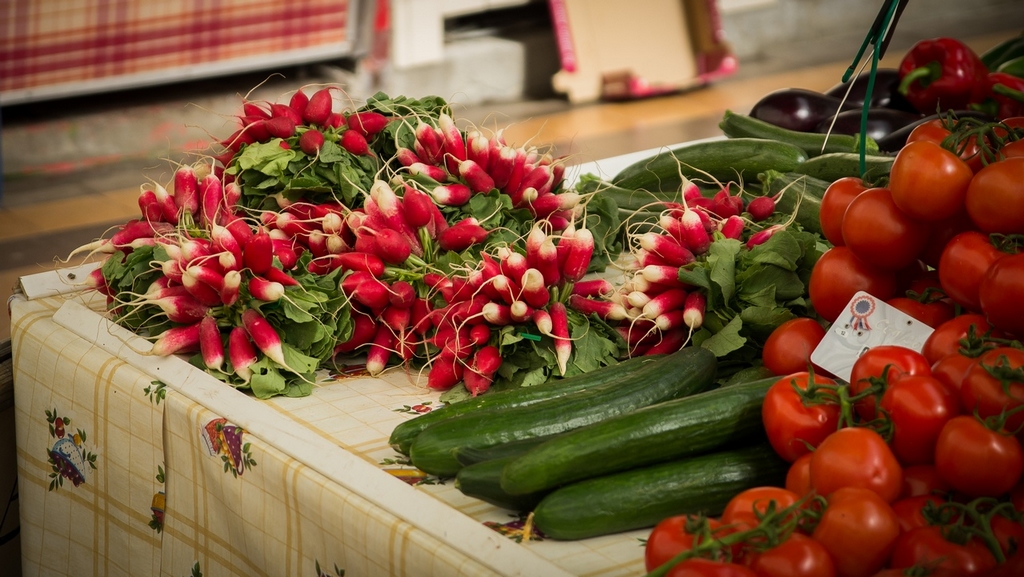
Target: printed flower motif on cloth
(225, 440)
(519, 529)
(159, 504)
(67, 455)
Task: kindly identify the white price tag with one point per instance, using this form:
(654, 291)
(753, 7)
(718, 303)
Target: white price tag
(866, 322)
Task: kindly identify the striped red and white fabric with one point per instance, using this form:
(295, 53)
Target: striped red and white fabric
(76, 46)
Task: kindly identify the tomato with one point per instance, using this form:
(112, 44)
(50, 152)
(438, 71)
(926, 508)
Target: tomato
(709, 568)
(928, 546)
(951, 370)
(1008, 532)
(788, 349)
(983, 392)
(1001, 294)
(798, 477)
(856, 457)
(881, 234)
(945, 339)
(859, 529)
(918, 407)
(791, 424)
(929, 182)
(838, 275)
(932, 314)
(675, 534)
(995, 198)
(976, 460)
(834, 203)
(748, 505)
(936, 131)
(1013, 149)
(941, 233)
(909, 510)
(965, 260)
(886, 363)
(797, 556)
(922, 480)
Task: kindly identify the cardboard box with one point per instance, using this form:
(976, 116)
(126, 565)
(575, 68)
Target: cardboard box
(617, 50)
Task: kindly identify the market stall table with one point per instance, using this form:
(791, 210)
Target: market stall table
(131, 464)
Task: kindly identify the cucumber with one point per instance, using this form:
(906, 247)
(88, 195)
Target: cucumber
(472, 455)
(682, 373)
(802, 189)
(403, 435)
(628, 200)
(483, 481)
(725, 160)
(670, 430)
(812, 143)
(835, 165)
(642, 497)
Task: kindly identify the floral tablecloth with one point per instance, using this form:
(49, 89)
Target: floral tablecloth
(136, 465)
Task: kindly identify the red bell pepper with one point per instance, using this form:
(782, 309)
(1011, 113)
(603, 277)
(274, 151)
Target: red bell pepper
(1003, 96)
(941, 74)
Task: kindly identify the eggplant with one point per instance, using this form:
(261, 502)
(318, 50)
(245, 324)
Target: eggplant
(884, 94)
(881, 122)
(796, 108)
(898, 138)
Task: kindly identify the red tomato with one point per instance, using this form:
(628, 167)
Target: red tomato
(788, 349)
(965, 260)
(936, 131)
(918, 406)
(927, 546)
(887, 364)
(676, 534)
(976, 460)
(951, 370)
(834, 202)
(1009, 533)
(859, 529)
(995, 198)
(1001, 294)
(798, 478)
(838, 275)
(983, 392)
(881, 234)
(1013, 149)
(909, 510)
(856, 457)
(709, 568)
(945, 339)
(922, 480)
(797, 556)
(941, 233)
(747, 506)
(929, 182)
(790, 423)
(932, 314)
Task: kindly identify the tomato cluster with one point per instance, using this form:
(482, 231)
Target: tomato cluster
(952, 211)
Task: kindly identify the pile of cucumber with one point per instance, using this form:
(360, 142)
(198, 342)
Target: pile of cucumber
(616, 449)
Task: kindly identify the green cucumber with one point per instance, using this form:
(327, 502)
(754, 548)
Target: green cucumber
(812, 143)
(724, 160)
(1013, 67)
(1006, 50)
(682, 373)
(669, 430)
(472, 455)
(483, 481)
(641, 498)
(835, 165)
(800, 193)
(403, 434)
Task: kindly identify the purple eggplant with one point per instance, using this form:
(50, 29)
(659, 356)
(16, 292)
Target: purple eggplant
(796, 108)
(885, 93)
(897, 139)
(881, 122)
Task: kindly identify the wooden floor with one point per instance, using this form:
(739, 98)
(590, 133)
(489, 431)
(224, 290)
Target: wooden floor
(49, 229)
